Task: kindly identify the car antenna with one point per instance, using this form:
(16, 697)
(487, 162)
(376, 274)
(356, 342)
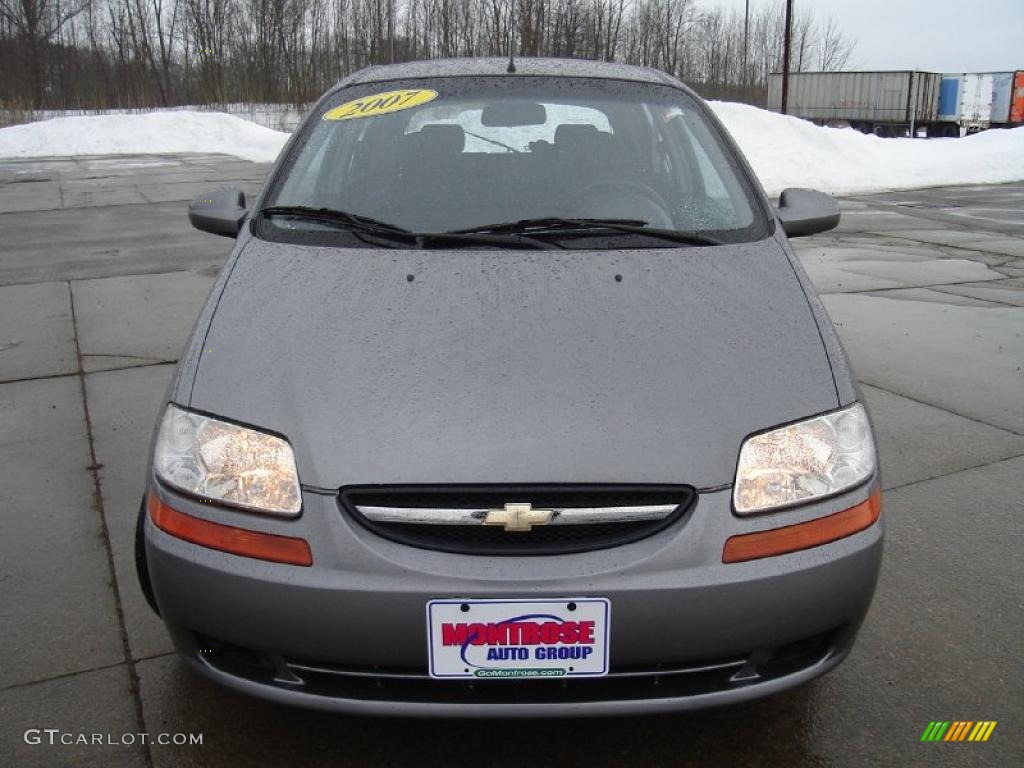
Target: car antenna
(511, 37)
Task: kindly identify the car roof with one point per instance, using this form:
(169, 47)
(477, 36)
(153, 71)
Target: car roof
(499, 66)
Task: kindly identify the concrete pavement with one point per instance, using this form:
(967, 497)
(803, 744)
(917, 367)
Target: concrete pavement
(100, 280)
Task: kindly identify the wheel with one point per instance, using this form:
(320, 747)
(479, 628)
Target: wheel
(141, 566)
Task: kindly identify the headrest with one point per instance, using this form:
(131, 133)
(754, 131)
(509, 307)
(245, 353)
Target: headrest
(443, 139)
(586, 135)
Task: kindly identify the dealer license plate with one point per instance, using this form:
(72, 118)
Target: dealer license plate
(516, 639)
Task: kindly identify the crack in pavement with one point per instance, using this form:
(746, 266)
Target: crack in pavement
(954, 472)
(79, 672)
(877, 240)
(941, 408)
(119, 354)
(94, 470)
(937, 287)
(88, 373)
(951, 220)
(946, 248)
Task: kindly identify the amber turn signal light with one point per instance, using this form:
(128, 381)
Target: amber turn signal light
(813, 533)
(227, 538)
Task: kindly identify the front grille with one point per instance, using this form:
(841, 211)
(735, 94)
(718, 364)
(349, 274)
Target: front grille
(657, 681)
(642, 510)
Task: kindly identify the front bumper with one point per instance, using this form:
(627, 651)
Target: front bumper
(348, 634)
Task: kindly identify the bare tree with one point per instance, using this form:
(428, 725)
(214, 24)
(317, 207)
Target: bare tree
(36, 23)
(208, 23)
(152, 25)
(137, 53)
(834, 48)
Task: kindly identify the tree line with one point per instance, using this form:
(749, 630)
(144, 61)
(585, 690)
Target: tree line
(116, 54)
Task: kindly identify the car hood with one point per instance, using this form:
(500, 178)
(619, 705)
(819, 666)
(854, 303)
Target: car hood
(395, 366)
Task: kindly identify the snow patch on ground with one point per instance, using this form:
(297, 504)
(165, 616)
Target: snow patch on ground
(784, 151)
(147, 134)
(788, 152)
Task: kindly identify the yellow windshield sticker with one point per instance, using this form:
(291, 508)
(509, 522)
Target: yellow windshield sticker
(381, 104)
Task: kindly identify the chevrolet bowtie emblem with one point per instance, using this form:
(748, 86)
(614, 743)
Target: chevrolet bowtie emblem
(518, 517)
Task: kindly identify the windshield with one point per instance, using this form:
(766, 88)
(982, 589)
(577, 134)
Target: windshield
(467, 153)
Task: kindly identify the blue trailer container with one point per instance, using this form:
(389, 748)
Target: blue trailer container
(949, 98)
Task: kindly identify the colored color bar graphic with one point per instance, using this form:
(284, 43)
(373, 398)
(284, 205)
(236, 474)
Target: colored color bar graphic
(935, 730)
(982, 730)
(958, 730)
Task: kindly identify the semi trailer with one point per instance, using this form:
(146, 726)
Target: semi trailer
(1007, 99)
(885, 103)
(904, 103)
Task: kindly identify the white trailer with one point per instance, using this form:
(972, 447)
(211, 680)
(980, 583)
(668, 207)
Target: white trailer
(1002, 97)
(886, 103)
(965, 102)
(976, 102)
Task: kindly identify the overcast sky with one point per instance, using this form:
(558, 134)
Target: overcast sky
(930, 35)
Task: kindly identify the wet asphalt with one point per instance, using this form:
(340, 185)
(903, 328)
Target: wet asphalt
(100, 280)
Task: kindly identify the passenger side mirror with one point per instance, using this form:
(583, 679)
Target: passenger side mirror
(807, 212)
(219, 213)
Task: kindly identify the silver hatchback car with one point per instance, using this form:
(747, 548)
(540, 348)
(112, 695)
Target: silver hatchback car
(512, 399)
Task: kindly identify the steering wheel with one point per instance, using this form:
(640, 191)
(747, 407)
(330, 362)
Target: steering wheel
(603, 199)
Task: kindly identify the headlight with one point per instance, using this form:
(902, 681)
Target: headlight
(216, 460)
(804, 461)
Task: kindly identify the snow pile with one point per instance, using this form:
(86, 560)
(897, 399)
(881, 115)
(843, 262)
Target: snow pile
(153, 133)
(784, 151)
(279, 117)
(788, 152)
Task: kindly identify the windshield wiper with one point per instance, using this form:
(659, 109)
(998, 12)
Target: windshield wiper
(497, 239)
(497, 143)
(555, 225)
(425, 240)
(332, 216)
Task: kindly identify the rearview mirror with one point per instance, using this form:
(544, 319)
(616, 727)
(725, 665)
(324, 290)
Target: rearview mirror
(513, 114)
(219, 213)
(807, 212)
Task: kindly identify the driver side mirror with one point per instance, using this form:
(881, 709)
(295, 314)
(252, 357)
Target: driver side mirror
(807, 212)
(219, 213)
